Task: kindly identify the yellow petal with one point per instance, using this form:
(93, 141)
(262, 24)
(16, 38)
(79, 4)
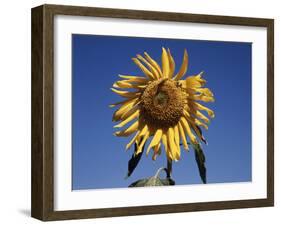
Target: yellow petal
(143, 68)
(165, 63)
(194, 81)
(186, 114)
(127, 120)
(122, 85)
(140, 146)
(173, 147)
(155, 140)
(126, 94)
(139, 134)
(199, 123)
(182, 134)
(127, 132)
(125, 84)
(144, 130)
(152, 69)
(192, 119)
(194, 127)
(129, 112)
(187, 129)
(132, 140)
(134, 79)
(205, 91)
(124, 108)
(165, 142)
(157, 151)
(202, 98)
(199, 77)
(122, 102)
(177, 136)
(201, 116)
(203, 108)
(153, 63)
(183, 67)
(171, 64)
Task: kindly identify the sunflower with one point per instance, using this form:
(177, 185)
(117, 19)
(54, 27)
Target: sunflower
(162, 105)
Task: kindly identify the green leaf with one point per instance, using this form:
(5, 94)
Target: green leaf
(152, 181)
(155, 180)
(200, 159)
(133, 162)
(139, 183)
(147, 182)
(168, 181)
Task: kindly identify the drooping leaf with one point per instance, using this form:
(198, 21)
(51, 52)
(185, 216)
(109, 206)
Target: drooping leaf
(133, 162)
(200, 159)
(154, 181)
(139, 183)
(168, 181)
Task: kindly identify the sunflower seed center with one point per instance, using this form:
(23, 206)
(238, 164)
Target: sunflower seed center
(161, 98)
(162, 103)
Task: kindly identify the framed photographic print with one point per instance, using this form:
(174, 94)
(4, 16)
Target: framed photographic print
(141, 112)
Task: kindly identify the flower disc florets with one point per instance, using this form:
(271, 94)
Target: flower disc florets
(162, 103)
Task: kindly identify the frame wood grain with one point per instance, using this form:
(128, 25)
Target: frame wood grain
(42, 198)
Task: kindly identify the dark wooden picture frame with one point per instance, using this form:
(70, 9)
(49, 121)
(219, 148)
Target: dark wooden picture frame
(42, 203)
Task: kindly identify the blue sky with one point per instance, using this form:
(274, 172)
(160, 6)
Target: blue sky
(99, 159)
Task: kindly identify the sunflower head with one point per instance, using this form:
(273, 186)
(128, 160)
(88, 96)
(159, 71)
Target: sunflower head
(162, 105)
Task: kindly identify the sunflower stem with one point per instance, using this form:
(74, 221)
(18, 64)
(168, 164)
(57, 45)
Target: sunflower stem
(157, 175)
(169, 168)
